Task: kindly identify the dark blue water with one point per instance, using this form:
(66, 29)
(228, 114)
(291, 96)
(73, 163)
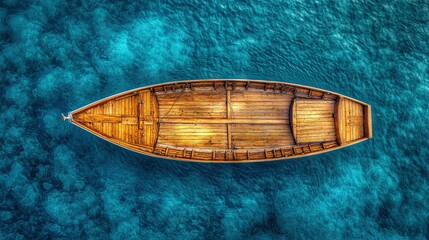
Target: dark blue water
(58, 181)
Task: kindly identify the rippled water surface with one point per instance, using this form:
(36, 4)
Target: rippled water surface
(58, 181)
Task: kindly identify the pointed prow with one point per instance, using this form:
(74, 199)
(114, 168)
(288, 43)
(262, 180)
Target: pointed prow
(64, 118)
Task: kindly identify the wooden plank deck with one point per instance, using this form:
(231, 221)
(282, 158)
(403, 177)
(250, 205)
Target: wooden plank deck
(313, 120)
(350, 121)
(224, 119)
(130, 119)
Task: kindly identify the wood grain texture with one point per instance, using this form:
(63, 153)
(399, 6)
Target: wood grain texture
(130, 119)
(313, 120)
(351, 122)
(227, 120)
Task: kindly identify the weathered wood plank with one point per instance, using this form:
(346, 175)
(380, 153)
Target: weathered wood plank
(350, 124)
(225, 121)
(368, 121)
(313, 124)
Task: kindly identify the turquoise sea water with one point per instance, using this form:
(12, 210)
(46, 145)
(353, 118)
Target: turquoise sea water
(58, 181)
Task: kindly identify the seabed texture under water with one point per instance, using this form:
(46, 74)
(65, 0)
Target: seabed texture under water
(58, 181)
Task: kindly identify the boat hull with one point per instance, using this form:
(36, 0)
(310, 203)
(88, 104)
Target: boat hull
(227, 120)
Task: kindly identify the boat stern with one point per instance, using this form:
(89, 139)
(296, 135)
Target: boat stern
(353, 121)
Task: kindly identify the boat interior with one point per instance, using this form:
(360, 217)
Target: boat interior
(227, 120)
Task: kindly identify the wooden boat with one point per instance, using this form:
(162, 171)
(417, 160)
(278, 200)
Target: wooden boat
(227, 120)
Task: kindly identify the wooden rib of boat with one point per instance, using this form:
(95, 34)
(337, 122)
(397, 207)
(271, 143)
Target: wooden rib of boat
(227, 120)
